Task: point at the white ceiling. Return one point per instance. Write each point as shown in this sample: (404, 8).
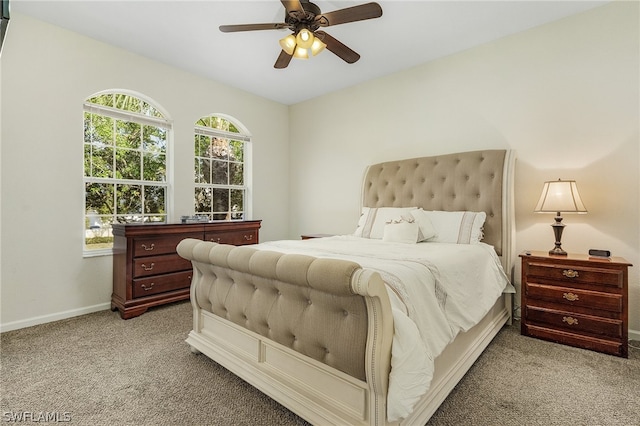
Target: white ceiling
(185, 34)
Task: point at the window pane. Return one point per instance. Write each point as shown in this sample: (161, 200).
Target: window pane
(154, 197)
(219, 149)
(220, 172)
(99, 198)
(220, 200)
(102, 160)
(98, 232)
(157, 218)
(129, 199)
(237, 151)
(127, 164)
(203, 200)
(128, 134)
(103, 100)
(237, 204)
(236, 175)
(99, 130)
(202, 171)
(128, 103)
(154, 139)
(87, 160)
(202, 145)
(154, 167)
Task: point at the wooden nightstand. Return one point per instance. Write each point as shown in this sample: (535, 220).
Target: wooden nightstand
(576, 300)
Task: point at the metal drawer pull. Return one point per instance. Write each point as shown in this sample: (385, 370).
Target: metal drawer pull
(151, 247)
(145, 288)
(147, 268)
(570, 320)
(570, 273)
(248, 237)
(216, 240)
(571, 297)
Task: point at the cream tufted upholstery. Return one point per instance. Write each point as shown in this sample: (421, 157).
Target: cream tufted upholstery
(468, 181)
(299, 301)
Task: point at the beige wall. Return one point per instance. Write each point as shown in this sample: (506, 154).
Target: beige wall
(565, 96)
(47, 73)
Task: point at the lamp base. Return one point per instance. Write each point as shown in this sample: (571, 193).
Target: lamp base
(557, 251)
(558, 227)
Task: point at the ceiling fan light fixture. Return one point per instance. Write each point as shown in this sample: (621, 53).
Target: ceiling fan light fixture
(317, 46)
(288, 44)
(300, 53)
(305, 38)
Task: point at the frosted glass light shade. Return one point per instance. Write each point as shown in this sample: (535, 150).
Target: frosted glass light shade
(301, 53)
(317, 46)
(288, 44)
(305, 38)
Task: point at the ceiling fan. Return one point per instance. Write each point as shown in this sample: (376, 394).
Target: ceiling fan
(305, 19)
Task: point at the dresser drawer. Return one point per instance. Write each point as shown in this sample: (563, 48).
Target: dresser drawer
(575, 297)
(561, 274)
(161, 284)
(237, 238)
(156, 265)
(574, 322)
(164, 245)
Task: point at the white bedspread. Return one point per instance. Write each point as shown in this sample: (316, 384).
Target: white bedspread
(436, 291)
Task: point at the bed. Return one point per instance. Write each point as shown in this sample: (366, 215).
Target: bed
(322, 325)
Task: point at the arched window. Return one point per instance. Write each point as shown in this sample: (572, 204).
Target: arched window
(221, 169)
(125, 165)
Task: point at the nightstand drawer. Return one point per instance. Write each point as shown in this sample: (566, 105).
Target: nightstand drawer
(575, 297)
(561, 274)
(612, 347)
(574, 322)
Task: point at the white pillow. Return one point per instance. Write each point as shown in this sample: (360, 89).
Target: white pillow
(373, 219)
(401, 231)
(457, 227)
(426, 229)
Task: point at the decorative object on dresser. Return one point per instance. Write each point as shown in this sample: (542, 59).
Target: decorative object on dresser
(148, 272)
(557, 197)
(310, 236)
(576, 300)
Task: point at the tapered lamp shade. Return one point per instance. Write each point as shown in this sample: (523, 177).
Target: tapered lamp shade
(557, 197)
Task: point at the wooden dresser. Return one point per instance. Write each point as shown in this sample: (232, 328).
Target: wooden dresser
(576, 300)
(148, 272)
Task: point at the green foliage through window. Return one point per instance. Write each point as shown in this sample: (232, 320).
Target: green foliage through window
(125, 158)
(219, 169)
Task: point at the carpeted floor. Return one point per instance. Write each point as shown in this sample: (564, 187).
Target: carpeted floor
(100, 370)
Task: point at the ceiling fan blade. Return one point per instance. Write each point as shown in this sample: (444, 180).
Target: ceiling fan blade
(252, 27)
(335, 46)
(292, 5)
(283, 60)
(350, 14)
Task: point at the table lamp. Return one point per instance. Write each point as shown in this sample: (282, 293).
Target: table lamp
(557, 197)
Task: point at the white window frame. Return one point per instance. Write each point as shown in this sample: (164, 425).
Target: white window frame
(141, 119)
(243, 136)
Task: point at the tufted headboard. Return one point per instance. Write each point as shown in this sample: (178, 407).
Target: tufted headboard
(466, 181)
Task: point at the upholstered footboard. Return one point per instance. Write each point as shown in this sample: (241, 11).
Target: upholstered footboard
(314, 334)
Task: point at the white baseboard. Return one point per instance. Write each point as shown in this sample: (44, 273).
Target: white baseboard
(634, 335)
(29, 322)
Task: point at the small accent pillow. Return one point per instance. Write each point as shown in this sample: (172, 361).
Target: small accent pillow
(425, 227)
(457, 227)
(373, 219)
(403, 230)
